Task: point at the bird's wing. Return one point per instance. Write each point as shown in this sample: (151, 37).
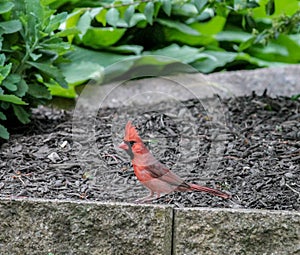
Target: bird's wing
(160, 171)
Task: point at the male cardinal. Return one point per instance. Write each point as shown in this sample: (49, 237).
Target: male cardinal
(153, 174)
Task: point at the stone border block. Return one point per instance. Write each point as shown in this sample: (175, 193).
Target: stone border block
(62, 227)
(209, 231)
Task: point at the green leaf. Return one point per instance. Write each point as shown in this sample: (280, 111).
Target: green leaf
(112, 17)
(100, 37)
(136, 18)
(2, 116)
(4, 71)
(22, 88)
(84, 23)
(50, 71)
(77, 73)
(39, 91)
(167, 6)
(6, 7)
(135, 49)
(3, 132)
(149, 10)
(12, 81)
(179, 26)
(101, 16)
(184, 54)
(200, 4)
(12, 99)
(217, 59)
(2, 59)
(128, 14)
(68, 32)
(270, 7)
(73, 18)
(35, 18)
(247, 44)
(11, 26)
(21, 113)
(233, 36)
(55, 22)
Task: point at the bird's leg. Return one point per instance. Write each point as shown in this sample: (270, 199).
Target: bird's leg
(147, 198)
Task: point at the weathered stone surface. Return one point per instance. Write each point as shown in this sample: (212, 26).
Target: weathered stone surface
(225, 231)
(282, 80)
(61, 227)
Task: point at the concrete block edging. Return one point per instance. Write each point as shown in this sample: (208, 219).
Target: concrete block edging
(37, 226)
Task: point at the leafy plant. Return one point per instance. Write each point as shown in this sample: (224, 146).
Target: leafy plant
(32, 47)
(208, 35)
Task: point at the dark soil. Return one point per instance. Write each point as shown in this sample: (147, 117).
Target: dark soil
(246, 146)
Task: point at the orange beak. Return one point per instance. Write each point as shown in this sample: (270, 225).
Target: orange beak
(123, 146)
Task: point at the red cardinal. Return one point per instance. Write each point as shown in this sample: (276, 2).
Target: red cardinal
(153, 174)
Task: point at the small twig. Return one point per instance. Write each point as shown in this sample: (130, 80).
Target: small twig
(292, 189)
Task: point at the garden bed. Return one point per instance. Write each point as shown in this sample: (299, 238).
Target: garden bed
(253, 153)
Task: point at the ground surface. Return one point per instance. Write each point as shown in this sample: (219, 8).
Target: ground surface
(246, 146)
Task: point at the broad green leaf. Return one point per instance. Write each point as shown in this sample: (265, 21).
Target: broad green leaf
(112, 17)
(21, 113)
(9, 27)
(149, 11)
(179, 26)
(128, 14)
(57, 90)
(2, 116)
(51, 71)
(211, 27)
(12, 99)
(100, 37)
(6, 7)
(77, 73)
(233, 36)
(282, 7)
(38, 91)
(101, 58)
(184, 54)
(283, 49)
(135, 49)
(3, 132)
(167, 6)
(217, 59)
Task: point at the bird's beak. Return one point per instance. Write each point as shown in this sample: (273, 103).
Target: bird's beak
(123, 146)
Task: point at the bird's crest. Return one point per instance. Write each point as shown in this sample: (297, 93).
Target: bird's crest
(131, 133)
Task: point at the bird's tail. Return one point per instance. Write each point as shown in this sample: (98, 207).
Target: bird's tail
(210, 191)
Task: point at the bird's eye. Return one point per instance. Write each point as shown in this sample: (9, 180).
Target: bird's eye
(131, 143)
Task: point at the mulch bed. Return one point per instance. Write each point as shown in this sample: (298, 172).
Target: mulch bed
(246, 146)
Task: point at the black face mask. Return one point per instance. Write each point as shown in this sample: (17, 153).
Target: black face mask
(129, 151)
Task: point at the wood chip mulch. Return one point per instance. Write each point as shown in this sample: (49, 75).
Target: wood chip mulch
(246, 146)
